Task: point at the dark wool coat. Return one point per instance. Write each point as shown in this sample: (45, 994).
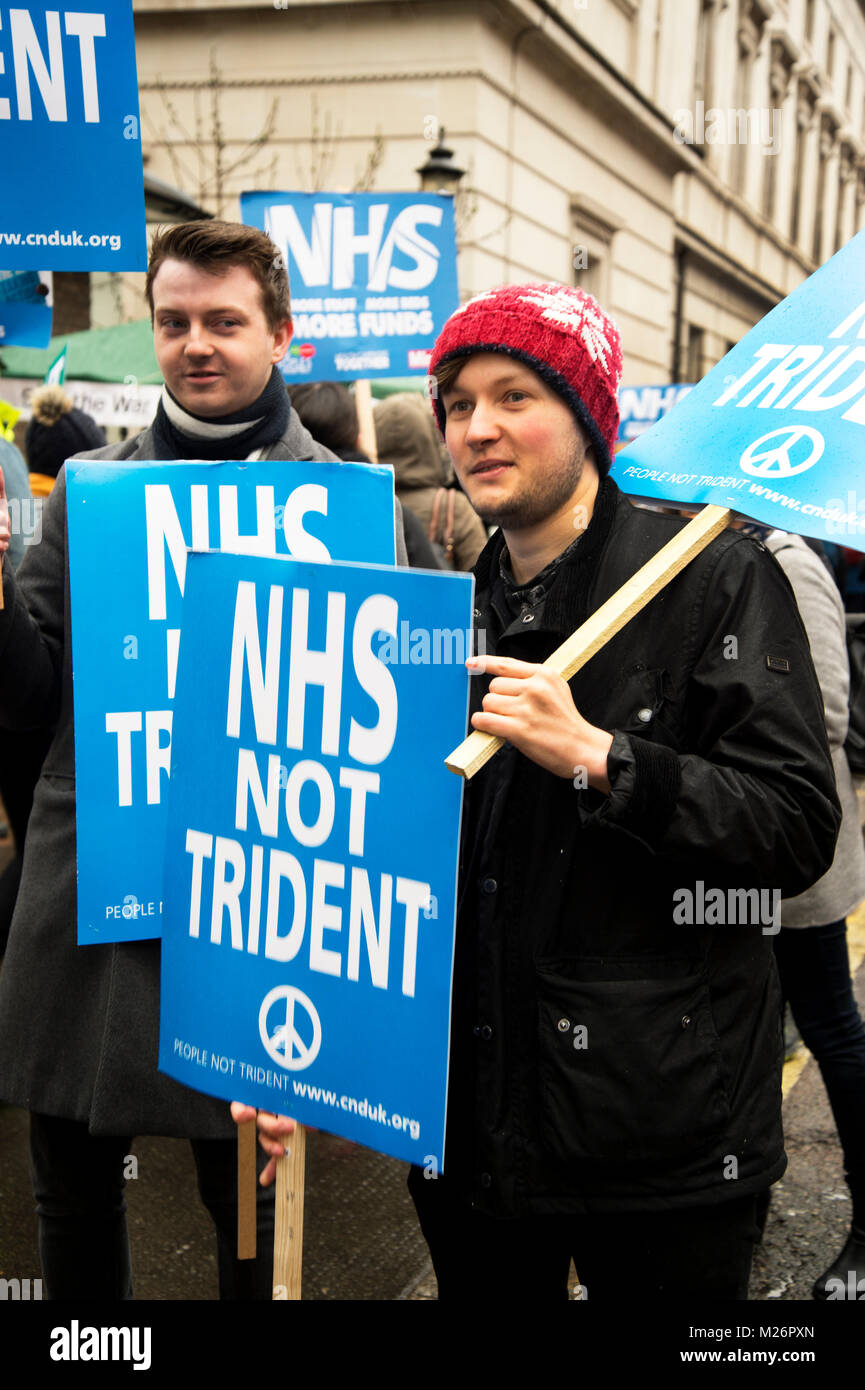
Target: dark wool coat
(79, 1024)
(605, 1056)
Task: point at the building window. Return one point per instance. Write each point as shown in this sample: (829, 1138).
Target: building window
(830, 53)
(590, 273)
(809, 20)
(703, 60)
(818, 211)
(743, 102)
(804, 117)
(770, 186)
(827, 144)
(696, 345)
(592, 232)
(749, 41)
(848, 95)
(846, 190)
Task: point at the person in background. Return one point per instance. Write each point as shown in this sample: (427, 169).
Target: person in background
(811, 948)
(56, 431)
(19, 494)
(328, 411)
(21, 754)
(409, 443)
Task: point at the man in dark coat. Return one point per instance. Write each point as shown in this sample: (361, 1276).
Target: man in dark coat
(614, 1092)
(79, 1025)
(616, 1052)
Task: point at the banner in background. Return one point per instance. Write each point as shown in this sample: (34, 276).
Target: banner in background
(373, 278)
(109, 402)
(640, 407)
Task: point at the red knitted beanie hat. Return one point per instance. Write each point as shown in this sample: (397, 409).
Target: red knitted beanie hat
(563, 334)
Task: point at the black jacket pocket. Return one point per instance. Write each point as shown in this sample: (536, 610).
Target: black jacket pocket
(629, 1070)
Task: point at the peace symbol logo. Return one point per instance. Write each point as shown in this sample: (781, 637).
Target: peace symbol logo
(286, 1044)
(782, 459)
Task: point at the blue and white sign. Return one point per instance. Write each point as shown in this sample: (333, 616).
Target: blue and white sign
(311, 863)
(777, 429)
(73, 184)
(640, 407)
(130, 527)
(373, 278)
(26, 308)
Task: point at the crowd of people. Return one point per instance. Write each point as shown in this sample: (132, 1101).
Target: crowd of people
(614, 1091)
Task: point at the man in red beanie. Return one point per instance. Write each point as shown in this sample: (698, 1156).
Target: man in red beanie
(614, 1092)
(614, 1087)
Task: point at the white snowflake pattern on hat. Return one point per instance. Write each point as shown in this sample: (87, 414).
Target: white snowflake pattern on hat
(470, 303)
(562, 306)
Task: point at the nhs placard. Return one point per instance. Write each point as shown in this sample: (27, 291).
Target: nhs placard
(73, 187)
(310, 879)
(136, 523)
(373, 278)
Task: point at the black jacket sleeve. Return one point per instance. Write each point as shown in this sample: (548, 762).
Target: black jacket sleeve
(756, 787)
(32, 625)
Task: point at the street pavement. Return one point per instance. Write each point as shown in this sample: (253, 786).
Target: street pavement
(809, 1216)
(361, 1240)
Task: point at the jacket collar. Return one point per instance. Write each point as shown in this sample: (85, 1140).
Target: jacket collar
(567, 601)
(296, 443)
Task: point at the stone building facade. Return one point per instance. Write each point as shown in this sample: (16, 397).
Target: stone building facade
(690, 161)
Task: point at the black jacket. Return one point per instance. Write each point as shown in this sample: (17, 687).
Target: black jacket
(79, 1024)
(603, 1056)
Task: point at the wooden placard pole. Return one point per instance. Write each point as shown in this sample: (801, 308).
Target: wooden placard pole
(246, 1190)
(610, 618)
(288, 1230)
(366, 425)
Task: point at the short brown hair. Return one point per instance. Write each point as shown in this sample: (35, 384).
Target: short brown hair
(447, 372)
(217, 246)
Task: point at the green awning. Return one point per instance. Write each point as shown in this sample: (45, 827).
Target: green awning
(98, 354)
(384, 386)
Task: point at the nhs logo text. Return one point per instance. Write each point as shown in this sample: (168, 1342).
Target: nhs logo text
(326, 254)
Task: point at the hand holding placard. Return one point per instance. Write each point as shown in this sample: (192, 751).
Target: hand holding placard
(531, 707)
(272, 1134)
(566, 660)
(288, 1165)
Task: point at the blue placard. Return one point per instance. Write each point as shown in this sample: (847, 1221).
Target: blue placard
(311, 856)
(73, 185)
(776, 430)
(129, 528)
(373, 278)
(25, 308)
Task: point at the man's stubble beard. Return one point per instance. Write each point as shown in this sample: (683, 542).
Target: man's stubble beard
(546, 497)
